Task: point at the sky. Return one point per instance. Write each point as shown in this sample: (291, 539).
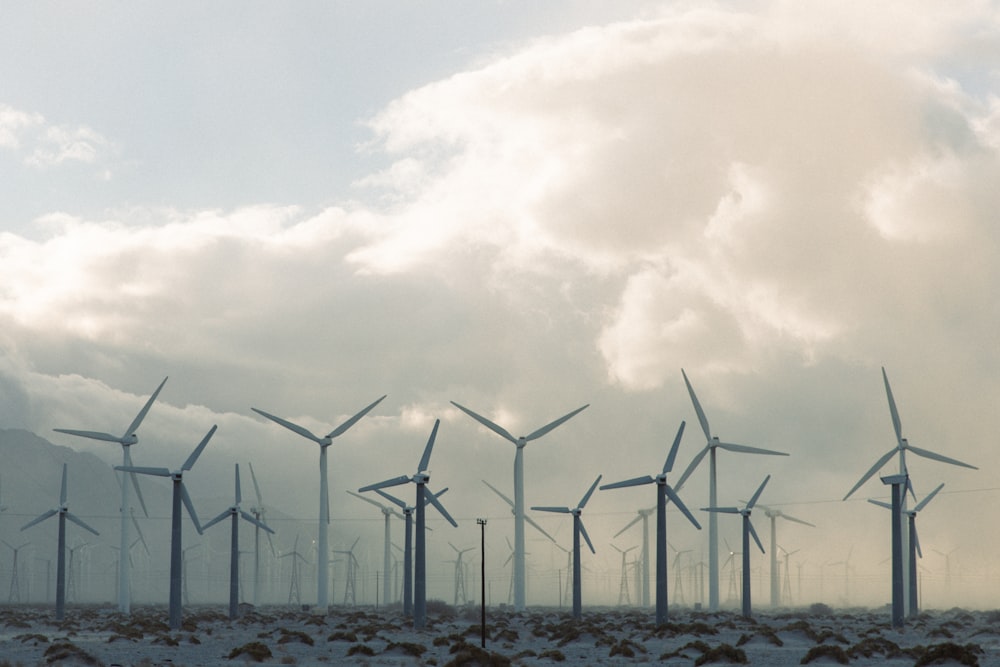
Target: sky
(525, 208)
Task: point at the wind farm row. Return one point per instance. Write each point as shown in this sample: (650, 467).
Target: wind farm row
(634, 578)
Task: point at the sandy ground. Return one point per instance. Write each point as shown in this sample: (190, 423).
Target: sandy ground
(100, 636)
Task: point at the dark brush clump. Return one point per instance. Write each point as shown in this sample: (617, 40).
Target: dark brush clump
(360, 649)
(825, 651)
(875, 646)
(723, 653)
(474, 655)
(942, 653)
(342, 636)
(255, 651)
(288, 636)
(406, 648)
(65, 651)
(553, 654)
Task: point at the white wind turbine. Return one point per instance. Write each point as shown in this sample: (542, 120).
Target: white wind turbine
(424, 496)
(642, 515)
(578, 529)
(235, 513)
(258, 511)
(713, 522)
(126, 441)
(902, 446)
(64, 513)
(180, 495)
(323, 554)
(774, 515)
(388, 513)
(519, 518)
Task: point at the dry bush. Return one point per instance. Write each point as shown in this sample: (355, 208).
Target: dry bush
(949, 652)
(825, 651)
(61, 651)
(723, 653)
(255, 651)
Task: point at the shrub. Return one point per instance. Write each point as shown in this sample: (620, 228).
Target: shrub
(825, 651)
(255, 651)
(723, 653)
(947, 652)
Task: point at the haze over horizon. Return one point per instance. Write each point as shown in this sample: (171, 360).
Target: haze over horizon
(523, 209)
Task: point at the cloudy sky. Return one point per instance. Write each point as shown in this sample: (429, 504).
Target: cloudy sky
(523, 208)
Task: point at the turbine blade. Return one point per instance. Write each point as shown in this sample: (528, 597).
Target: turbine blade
(590, 492)
(425, 460)
(628, 525)
(144, 470)
(368, 500)
(938, 457)
(506, 562)
(746, 449)
(916, 542)
(304, 432)
(880, 503)
(669, 465)
(134, 426)
(260, 524)
(753, 534)
(239, 494)
(635, 481)
(691, 466)
(135, 484)
(392, 499)
(499, 430)
(62, 490)
(537, 527)
(256, 487)
(39, 519)
(697, 408)
(433, 500)
(354, 420)
(80, 523)
(550, 426)
(583, 531)
(923, 503)
(792, 518)
(186, 499)
(199, 449)
(560, 510)
(723, 510)
(497, 491)
(760, 490)
(874, 469)
(676, 500)
(93, 435)
(224, 515)
(395, 481)
(138, 531)
(896, 425)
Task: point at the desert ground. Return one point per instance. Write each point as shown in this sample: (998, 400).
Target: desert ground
(291, 636)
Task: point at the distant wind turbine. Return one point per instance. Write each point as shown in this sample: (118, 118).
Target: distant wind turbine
(578, 529)
(63, 512)
(388, 513)
(774, 515)
(420, 478)
(129, 438)
(258, 511)
(323, 554)
(644, 569)
(713, 523)
(519, 518)
(180, 495)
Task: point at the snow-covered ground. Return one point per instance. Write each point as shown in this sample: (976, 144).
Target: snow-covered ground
(30, 636)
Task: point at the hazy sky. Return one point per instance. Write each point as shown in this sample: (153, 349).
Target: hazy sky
(523, 207)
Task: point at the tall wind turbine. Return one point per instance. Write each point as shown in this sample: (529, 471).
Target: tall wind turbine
(519, 519)
(388, 513)
(180, 495)
(64, 513)
(774, 515)
(578, 529)
(420, 479)
(663, 491)
(748, 532)
(323, 554)
(713, 522)
(129, 438)
(914, 547)
(258, 511)
(235, 513)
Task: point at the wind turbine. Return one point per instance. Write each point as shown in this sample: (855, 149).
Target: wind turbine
(578, 529)
(519, 518)
(350, 578)
(180, 495)
(388, 513)
(64, 513)
(642, 515)
(748, 531)
(663, 491)
(914, 546)
(420, 478)
(459, 572)
(235, 513)
(712, 444)
(774, 515)
(293, 590)
(623, 596)
(15, 580)
(126, 441)
(323, 554)
(258, 511)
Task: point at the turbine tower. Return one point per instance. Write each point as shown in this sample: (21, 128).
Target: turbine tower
(323, 554)
(748, 532)
(663, 491)
(623, 596)
(420, 478)
(64, 513)
(578, 529)
(180, 495)
(774, 515)
(388, 513)
(642, 515)
(519, 548)
(713, 522)
(235, 513)
(126, 441)
(15, 579)
(460, 573)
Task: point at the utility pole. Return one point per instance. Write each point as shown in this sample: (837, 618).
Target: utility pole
(482, 578)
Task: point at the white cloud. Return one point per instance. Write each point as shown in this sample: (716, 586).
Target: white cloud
(14, 123)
